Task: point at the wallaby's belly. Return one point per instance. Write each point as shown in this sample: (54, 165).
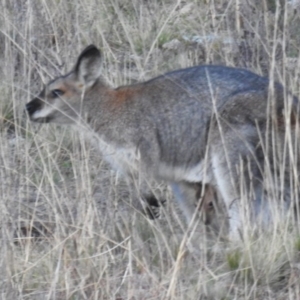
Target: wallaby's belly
(128, 161)
(196, 173)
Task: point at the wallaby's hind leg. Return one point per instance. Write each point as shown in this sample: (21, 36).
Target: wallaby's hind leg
(230, 197)
(238, 181)
(185, 196)
(206, 198)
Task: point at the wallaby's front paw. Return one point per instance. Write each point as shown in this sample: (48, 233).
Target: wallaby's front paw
(153, 206)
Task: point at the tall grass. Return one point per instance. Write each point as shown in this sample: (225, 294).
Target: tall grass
(70, 227)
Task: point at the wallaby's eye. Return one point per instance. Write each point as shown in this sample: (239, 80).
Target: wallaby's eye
(56, 93)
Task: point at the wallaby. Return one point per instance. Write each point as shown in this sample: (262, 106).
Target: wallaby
(212, 124)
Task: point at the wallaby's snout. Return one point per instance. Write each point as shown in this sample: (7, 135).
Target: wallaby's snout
(37, 109)
(34, 106)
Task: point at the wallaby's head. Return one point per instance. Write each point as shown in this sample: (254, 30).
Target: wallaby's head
(62, 99)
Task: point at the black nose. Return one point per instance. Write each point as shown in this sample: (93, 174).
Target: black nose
(29, 107)
(33, 106)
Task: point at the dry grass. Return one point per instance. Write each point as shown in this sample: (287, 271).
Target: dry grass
(70, 228)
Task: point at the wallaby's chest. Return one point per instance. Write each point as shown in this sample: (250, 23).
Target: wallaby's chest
(123, 159)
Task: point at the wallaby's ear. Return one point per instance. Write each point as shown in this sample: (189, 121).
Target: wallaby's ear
(88, 66)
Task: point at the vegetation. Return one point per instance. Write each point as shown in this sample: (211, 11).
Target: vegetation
(71, 228)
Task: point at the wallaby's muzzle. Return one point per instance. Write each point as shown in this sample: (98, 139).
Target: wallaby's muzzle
(33, 106)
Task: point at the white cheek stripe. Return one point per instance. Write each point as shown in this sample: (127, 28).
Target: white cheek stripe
(42, 113)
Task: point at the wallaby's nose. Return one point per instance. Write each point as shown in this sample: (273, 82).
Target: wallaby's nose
(33, 106)
(29, 107)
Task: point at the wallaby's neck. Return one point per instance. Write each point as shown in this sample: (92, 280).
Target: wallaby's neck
(110, 112)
